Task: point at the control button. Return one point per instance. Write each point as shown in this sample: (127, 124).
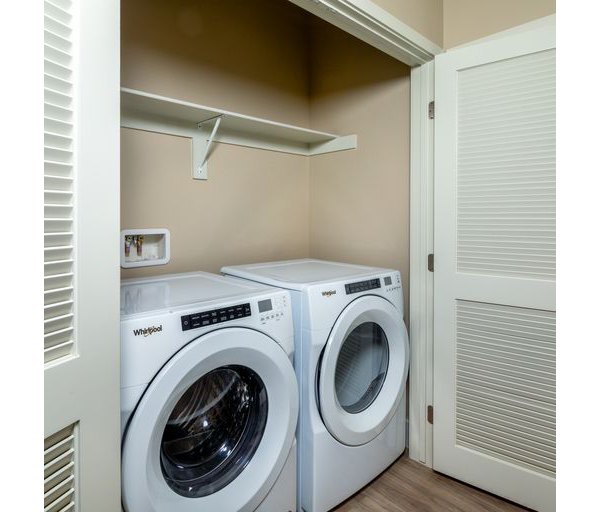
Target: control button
(215, 316)
(185, 323)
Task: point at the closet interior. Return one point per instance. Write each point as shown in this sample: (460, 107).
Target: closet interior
(311, 155)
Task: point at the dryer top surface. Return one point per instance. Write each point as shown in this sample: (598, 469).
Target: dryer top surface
(175, 290)
(299, 274)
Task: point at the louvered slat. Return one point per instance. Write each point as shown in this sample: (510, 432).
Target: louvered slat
(506, 383)
(58, 168)
(506, 168)
(59, 470)
(58, 186)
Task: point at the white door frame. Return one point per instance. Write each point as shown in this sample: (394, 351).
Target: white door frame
(367, 21)
(420, 436)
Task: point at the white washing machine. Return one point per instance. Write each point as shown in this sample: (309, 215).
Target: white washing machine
(352, 359)
(209, 400)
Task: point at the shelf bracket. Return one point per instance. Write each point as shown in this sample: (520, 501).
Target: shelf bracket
(201, 146)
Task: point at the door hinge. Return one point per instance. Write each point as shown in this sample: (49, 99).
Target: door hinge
(430, 262)
(430, 414)
(431, 110)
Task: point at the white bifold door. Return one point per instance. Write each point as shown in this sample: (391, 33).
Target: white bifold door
(81, 262)
(494, 298)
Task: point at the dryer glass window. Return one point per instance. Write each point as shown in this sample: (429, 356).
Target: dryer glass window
(213, 431)
(361, 367)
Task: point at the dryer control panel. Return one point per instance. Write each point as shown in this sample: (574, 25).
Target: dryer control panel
(215, 316)
(363, 286)
(392, 283)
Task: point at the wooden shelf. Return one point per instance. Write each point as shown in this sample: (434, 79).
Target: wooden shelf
(145, 111)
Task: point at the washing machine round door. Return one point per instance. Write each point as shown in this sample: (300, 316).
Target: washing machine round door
(214, 428)
(363, 370)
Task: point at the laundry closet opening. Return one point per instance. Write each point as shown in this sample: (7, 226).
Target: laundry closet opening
(272, 60)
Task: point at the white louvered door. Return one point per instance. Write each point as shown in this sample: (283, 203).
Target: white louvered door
(494, 279)
(81, 265)
(58, 180)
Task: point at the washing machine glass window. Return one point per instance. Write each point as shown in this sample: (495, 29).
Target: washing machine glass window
(213, 431)
(361, 367)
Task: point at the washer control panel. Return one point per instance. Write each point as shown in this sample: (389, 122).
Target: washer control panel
(215, 316)
(272, 310)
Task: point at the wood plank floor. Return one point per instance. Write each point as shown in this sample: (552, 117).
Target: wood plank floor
(408, 486)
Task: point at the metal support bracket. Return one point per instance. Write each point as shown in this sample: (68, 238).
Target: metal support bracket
(201, 147)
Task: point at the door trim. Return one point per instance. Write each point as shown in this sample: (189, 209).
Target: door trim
(374, 25)
(420, 436)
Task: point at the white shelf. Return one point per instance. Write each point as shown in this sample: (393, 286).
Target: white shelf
(149, 112)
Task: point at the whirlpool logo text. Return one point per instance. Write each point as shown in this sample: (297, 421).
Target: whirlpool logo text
(147, 331)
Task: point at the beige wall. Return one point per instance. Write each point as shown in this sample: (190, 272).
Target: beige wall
(246, 56)
(253, 208)
(449, 23)
(467, 20)
(425, 16)
(359, 199)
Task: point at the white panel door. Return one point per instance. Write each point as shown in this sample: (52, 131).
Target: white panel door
(494, 291)
(81, 262)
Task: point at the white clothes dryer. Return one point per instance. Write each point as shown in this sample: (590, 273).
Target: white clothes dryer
(352, 359)
(209, 400)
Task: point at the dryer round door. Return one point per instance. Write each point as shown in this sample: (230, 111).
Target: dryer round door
(214, 428)
(363, 370)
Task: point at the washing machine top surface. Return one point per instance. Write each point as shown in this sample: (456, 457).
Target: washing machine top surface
(299, 274)
(157, 294)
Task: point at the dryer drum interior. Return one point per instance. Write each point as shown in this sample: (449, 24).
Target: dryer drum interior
(213, 431)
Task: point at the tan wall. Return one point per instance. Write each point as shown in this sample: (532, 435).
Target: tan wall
(359, 209)
(467, 20)
(425, 16)
(249, 57)
(253, 208)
